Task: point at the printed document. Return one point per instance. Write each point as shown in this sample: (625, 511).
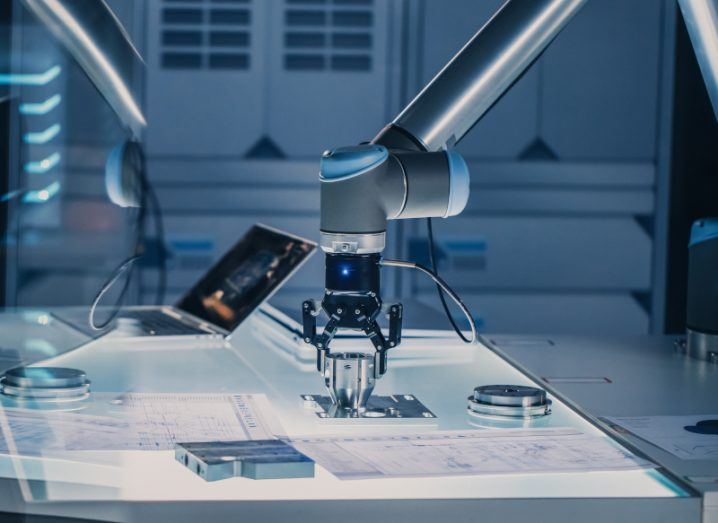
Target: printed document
(452, 453)
(688, 437)
(138, 421)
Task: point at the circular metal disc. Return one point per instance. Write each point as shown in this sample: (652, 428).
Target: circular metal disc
(44, 392)
(69, 403)
(510, 395)
(45, 377)
(502, 411)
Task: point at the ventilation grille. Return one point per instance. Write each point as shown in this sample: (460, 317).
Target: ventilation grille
(328, 35)
(206, 34)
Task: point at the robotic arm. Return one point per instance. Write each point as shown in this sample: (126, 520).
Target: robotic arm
(408, 171)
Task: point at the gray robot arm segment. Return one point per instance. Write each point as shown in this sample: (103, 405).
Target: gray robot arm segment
(364, 186)
(480, 73)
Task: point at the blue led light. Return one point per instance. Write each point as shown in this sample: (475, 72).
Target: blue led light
(10, 195)
(42, 195)
(345, 272)
(42, 137)
(31, 79)
(38, 109)
(43, 166)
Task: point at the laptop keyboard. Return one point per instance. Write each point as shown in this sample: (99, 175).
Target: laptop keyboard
(157, 323)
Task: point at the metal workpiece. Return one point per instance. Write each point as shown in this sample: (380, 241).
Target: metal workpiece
(45, 384)
(701, 18)
(349, 378)
(253, 459)
(469, 85)
(45, 377)
(509, 401)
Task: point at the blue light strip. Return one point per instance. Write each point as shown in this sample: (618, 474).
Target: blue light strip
(38, 109)
(42, 137)
(31, 79)
(10, 195)
(42, 195)
(43, 166)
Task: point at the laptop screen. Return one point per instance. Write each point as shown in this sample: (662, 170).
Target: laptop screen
(246, 276)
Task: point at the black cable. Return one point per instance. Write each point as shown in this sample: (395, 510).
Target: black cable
(432, 260)
(128, 264)
(160, 244)
(444, 287)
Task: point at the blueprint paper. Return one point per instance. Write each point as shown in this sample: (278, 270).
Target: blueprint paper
(670, 434)
(462, 453)
(139, 421)
(34, 433)
(160, 420)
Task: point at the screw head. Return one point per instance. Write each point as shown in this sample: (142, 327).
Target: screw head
(340, 310)
(307, 340)
(357, 312)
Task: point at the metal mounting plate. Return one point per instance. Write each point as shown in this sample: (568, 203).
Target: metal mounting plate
(396, 406)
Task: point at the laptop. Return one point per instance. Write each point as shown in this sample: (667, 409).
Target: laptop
(246, 276)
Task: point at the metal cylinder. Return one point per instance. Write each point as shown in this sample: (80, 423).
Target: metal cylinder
(349, 378)
(702, 291)
(468, 86)
(94, 36)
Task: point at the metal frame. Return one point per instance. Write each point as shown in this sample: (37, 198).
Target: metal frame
(664, 136)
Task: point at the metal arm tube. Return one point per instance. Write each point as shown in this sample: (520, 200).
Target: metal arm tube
(94, 36)
(466, 88)
(701, 17)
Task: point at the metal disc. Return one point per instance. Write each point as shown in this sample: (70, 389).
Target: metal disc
(510, 395)
(69, 403)
(44, 392)
(45, 377)
(503, 411)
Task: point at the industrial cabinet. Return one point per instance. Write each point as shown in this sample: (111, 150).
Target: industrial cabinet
(309, 69)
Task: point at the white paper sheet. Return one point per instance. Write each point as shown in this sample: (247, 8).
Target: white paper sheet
(34, 432)
(452, 453)
(139, 421)
(162, 419)
(670, 434)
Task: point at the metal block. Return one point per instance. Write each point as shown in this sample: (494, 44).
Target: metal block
(257, 459)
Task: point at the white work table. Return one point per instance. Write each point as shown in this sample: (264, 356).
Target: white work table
(262, 358)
